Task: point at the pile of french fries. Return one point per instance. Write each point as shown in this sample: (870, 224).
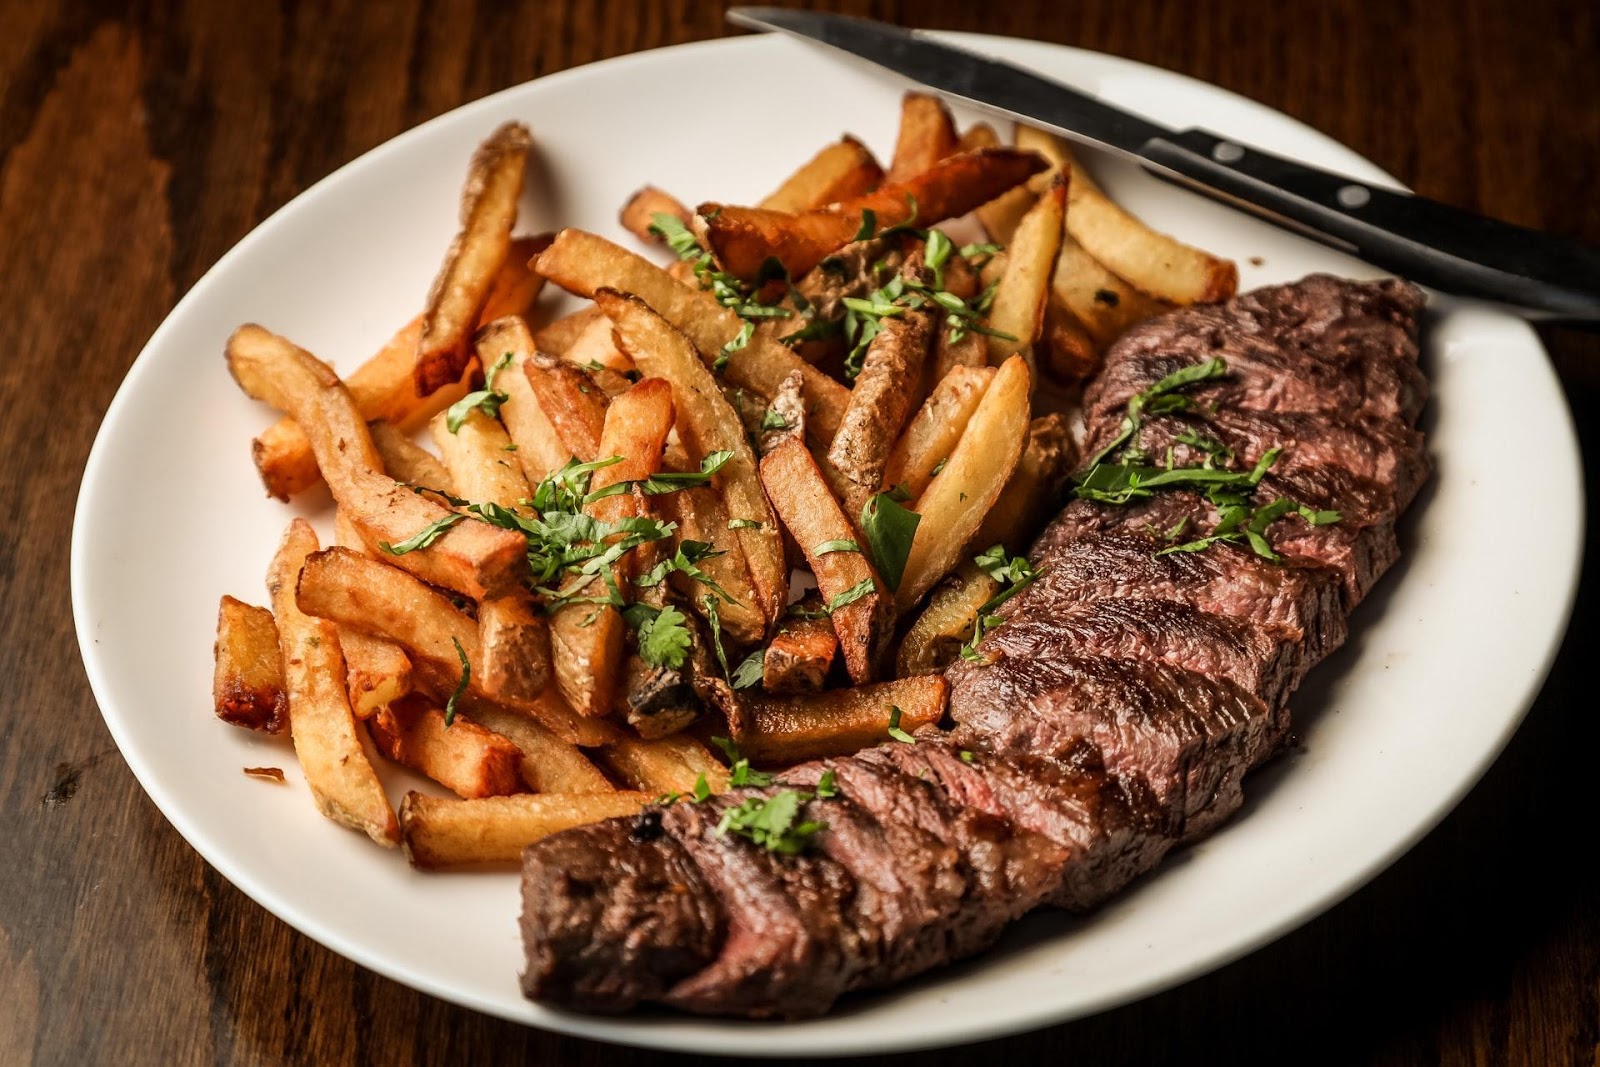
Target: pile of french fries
(761, 496)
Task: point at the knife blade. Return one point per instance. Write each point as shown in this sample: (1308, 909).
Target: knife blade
(1542, 276)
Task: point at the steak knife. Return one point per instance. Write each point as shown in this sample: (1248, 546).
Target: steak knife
(1539, 275)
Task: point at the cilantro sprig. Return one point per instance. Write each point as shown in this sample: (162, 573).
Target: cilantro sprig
(1014, 573)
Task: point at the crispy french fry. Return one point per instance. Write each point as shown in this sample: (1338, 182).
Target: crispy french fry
(558, 336)
(320, 721)
(842, 170)
(444, 832)
(478, 454)
(1019, 301)
(575, 406)
(247, 687)
(582, 263)
(377, 671)
(800, 654)
(745, 238)
(884, 393)
(471, 558)
(702, 515)
(406, 461)
(461, 290)
(935, 639)
(514, 649)
(935, 429)
(516, 286)
(1000, 215)
(707, 423)
(1070, 354)
(539, 449)
(952, 350)
(549, 764)
(460, 755)
(673, 764)
(596, 348)
(927, 135)
(1106, 305)
(813, 519)
(840, 721)
(1029, 497)
(955, 502)
(638, 214)
(785, 416)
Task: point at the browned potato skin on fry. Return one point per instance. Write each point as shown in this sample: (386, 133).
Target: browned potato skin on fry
(1024, 289)
(812, 516)
(517, 285)
(549, 764)
(570, 399)
(840, 171)
(935, 639)
(461, 756)
(927, 135)
(247, 688)
(884, 393)
(540, 450)
(439, 833)
(638, 214)
(744, 238)
(514, 654)
(1029, 497)
(406, 461)
(800, 654)
(555, 337)
(840, 721)
(936, 427)
(461, 290)
(672, 764)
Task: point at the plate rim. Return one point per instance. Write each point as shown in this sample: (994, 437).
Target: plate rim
(734, 1035)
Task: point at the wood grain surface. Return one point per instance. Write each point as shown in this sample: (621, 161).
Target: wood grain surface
(139, 141)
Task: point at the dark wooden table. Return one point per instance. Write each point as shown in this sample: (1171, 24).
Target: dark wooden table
(138, 142)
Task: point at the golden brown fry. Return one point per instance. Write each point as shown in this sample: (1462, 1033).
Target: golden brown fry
(800, 654)
(516, 286)
(471, 558)
(955, 502)
(549, 764)
(478, 454)
(596, 348)
(558, 336)
(840, 721)
(842, 170)
(744, 238)
(1019, 301)
(438, 833)
(702, 515)
(569, 398)
(785, 416)
(582, 263)
(884, 393)
(1106, 305)
(320, 721)
(638, 214)
(460, 755)
(673, 764)
(934, 431)
(1029, 497)
(377, 671)
(461, 290)
(813, 519)
(935, 639)
(1000, 215)
(927, 135)
(539, 449)
(247, 688)
(707, 423)
(1069, 353)
(514, 649)
(406, 461)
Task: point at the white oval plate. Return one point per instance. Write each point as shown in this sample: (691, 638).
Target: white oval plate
(1441, 666)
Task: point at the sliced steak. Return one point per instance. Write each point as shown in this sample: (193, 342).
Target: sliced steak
(614, 914)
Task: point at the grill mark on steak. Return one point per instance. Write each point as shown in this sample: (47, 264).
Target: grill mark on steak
(1128, 695)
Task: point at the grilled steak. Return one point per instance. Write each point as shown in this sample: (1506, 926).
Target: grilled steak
(1112, 717)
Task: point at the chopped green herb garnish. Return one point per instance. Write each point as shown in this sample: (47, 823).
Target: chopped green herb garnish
(770, 822)
(835, 546)
(702, 789)
(488, 399)
(461, 686)
(894, 727)
(664, 638)
(826, 788)
(966, 757)
(748, 672)
(423, 537)
(773, 420)
(1014, 573)
(744, 524)
(889, 529)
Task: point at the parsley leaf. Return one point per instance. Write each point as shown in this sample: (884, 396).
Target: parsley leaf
(663, 636)
(894, 728)
(1014, 573)
(748, 672)
(865, 587)
(702, 789)
(773, 420)
(770, 822)
(488, 399)
(423, 537)
(889, 529)
(835, 546)
(461, 686)
(744, 524)
(685, 561)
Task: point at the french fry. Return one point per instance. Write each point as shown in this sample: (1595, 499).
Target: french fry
(461, 289)
(575, 406)
(701, 515)
(321, 724)
(784, 417)
(1070, 354)
(539, 449)
(638, 214)
(935, 429)
(800, 653)
(558, 335)
(840, 171)
(1000, 215)
(707, 423)
(582, 263)
(839, 721)
(596, 348)
(1103, 303)
(958, 497)
(934, 641)
(673, 764)
(516, 287)
(549, 764)
(478, 454)
(1019, 301)
(460, 755)
(1158, 265)
(471, 558)
(745, 238)
(406, 461)
(927, 135)
(1029, 497)
(247, 686)
(884, 393)
(439, 832)
(377, 671)
(813, 519)
(514, 649)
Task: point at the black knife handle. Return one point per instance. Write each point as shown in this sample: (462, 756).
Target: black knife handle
(1421, 239)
